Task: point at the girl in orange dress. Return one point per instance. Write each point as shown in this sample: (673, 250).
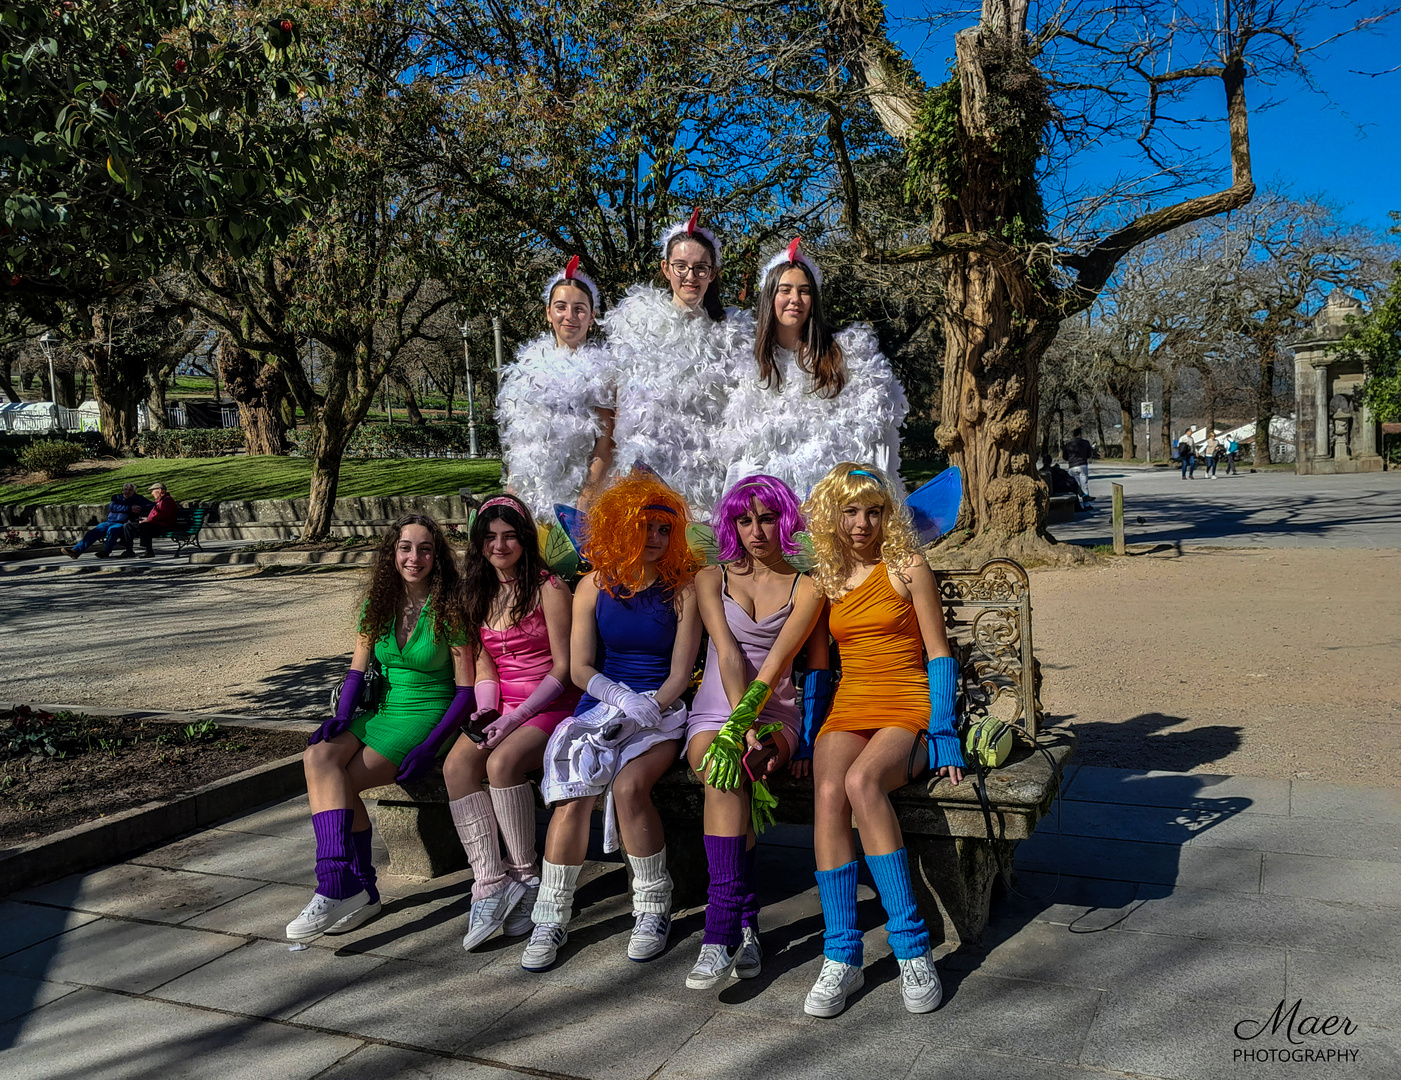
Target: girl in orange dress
(898, 680)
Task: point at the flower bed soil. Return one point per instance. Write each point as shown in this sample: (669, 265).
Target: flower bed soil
(64, 770)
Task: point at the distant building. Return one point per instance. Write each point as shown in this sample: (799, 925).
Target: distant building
(1336, 432)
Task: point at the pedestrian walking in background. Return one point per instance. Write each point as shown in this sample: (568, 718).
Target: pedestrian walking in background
(1078, 452)
(1212, 450)
(1232, 449)
(1187, 454)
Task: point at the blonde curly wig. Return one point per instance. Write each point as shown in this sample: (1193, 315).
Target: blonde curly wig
(864, 485)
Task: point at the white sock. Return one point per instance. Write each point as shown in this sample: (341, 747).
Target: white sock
(555, 902)
(651, 884)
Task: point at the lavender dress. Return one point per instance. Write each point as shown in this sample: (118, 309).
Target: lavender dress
(711, 707)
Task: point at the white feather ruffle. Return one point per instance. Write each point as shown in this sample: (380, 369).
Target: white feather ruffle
(675, 371)
(547, 410)
(791, 433)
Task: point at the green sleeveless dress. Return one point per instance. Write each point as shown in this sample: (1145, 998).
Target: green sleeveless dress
(419, 687)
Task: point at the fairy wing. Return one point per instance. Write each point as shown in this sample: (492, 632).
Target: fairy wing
(560, 555)
(934, 506)
(701, 539)
(803, 560)
(572, 522)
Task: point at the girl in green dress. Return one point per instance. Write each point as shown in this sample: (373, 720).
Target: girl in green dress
(427, 695)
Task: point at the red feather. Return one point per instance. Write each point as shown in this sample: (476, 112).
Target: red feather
(793, 250)
(695, 220)
(570, 267)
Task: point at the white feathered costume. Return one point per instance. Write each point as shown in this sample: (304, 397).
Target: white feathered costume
(675, 370)
(547, 410)
(790, 432)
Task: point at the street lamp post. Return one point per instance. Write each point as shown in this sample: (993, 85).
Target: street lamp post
(496, 331)
(471, 393)
(49, 356)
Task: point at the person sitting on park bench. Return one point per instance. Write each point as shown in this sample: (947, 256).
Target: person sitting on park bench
(125, 508)
(160, 518)
(1061, 482)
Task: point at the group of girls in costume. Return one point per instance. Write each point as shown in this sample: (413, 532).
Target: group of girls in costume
(699, 393)
(590, 690)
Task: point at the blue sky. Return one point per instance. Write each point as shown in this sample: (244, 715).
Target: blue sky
(1348, 149)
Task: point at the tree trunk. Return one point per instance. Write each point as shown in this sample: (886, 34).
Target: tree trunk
(155, 402)
(1167, 417)
(410, 402)
(1126, 420)
(117, 400)
(1099, 422)
(258, 388)
(7, 384)
(1264, 405)
(330, 443)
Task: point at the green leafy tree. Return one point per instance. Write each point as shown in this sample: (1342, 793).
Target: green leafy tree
(1376, 339)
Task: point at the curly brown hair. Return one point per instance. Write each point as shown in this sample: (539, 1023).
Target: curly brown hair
(479, 588)
(384, 594)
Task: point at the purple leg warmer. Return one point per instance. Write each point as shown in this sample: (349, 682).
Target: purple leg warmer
(362, 864)
(335, 874)
(750, 901)
(723, 912)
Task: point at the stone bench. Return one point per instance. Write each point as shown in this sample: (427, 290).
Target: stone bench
(954, 864)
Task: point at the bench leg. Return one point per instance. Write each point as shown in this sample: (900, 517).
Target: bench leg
(954, 879)
(421, 838)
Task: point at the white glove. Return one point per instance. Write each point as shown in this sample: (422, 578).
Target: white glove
(641, 707)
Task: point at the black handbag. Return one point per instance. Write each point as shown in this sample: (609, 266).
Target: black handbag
(371, 690)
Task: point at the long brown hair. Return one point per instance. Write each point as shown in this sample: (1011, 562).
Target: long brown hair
(480, 586)
(384, 595)
(711, 300)
(819, 355)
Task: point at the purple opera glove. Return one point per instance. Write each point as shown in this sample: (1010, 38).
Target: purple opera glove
(420, 759)
(944, 746)
(488, 694)
(345, 709)
(641, 707)
(549, 689)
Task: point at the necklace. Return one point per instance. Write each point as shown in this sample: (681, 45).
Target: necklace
(412, 610)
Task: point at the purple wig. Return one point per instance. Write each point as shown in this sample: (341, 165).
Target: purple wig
(771, 492)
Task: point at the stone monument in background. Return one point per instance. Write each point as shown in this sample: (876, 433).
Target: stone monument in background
(1336, 432)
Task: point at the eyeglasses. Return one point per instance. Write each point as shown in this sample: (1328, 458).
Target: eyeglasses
(683, 270)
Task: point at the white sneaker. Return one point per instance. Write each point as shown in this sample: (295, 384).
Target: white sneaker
(355, 919)
(828, 995)
(649, 934)
(751, 955)
(519, 922)
(712, 967)
(322, 913)
(919, 984)
(489, 913)
(545, 942)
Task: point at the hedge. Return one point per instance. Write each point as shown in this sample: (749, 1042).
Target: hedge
(51, 457)
(189, 442)
(411, 440)
(12, 442)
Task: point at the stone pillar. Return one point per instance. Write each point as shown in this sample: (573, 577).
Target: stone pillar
(1323, 427)
(1366, 437)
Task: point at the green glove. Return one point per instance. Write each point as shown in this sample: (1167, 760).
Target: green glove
(761, 800)
(721, 762)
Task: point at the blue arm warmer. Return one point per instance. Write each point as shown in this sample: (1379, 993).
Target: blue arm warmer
(944, 746)
(819, 686)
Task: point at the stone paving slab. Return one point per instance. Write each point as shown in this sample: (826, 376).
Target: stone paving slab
(1344, 802)
(1362, 986)
(140, 892)
(379, 1062)
(19, 994)
(119, 955)
(290, 819)
(1162, 864)
(26, 924)
(1193, 1039)
(263, 978)
(1138, 787)
(100, 1036)
(1351, 881)
(1276, 921)
(238, 854)
(1152, 824)
(1304, 836)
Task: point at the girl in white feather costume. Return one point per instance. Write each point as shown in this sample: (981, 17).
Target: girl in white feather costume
(818, 405)
(555, 404)
(677, 358)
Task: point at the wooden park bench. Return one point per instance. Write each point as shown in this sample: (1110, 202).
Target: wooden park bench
(185, 531)
(955, 863)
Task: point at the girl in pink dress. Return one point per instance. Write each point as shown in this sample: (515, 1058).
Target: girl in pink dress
(517, 619)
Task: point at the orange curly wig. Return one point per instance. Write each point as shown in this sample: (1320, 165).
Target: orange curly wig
(615, 533)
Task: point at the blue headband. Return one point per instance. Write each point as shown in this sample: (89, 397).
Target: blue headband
(662, 508)
(863, 472)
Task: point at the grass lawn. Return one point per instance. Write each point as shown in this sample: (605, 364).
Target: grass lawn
(209, 479)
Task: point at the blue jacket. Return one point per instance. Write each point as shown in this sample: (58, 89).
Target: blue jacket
(122, 510)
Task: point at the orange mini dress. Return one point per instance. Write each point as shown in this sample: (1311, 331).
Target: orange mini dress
(882, 656)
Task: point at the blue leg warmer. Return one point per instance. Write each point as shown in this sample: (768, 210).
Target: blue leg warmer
(840, 940)
(903, 925)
